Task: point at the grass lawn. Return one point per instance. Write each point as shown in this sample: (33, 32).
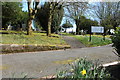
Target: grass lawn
(18, 37)
(97, 40)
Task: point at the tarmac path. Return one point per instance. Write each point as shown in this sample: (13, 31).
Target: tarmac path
(39, 64)
(74, 43)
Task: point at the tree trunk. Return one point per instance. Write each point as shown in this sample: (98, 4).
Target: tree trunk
(49, 21)
(77, 27)
(77, 30)
(29, 22)
(31, 14)
(29, 29)
(49, 25)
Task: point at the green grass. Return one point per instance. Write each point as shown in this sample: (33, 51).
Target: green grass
(67, 34)
(14, 37)
(97, 40)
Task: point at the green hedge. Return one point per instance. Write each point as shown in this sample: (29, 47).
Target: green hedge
(116, 41)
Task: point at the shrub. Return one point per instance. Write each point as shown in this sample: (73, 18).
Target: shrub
(84, 69)
(116, 41)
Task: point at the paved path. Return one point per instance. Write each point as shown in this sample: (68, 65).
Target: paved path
(38, 64)
(74, 43)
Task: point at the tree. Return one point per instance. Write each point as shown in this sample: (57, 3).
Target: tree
(31, 13)
(67, 25)
(12, 13)
(43, 15)
(57, 19)
(52, 8)
(108, 12)
(75, 11)
(87, 23)
(107, 24)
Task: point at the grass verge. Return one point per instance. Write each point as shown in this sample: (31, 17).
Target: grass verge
(97, 40)
(14, 37)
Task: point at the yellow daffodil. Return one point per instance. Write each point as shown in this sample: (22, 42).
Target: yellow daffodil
(83, 72)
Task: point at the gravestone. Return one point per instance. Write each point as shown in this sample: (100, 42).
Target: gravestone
(24, 27)
(9, 27)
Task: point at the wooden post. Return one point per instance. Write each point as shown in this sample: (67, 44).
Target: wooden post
(104, 36)
(90, 37)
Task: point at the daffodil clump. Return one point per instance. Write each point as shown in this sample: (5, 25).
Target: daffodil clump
(82, 68)
(83, 72)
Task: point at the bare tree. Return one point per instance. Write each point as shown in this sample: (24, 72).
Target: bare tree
(108, 12)
(31, 13)
(74, 11)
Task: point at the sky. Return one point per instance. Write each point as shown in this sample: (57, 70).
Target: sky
(24, 2)
(25, 8)
(24, 5)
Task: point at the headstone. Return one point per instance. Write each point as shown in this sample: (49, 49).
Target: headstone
(9, 27)
(24, 27)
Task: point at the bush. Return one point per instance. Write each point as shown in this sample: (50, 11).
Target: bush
(116, 41)
(84, 69)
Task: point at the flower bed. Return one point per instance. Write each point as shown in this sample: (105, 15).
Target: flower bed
(83, 69)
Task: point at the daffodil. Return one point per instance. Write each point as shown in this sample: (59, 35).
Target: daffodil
(83, 72)
(78, 59)
(72, 70)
